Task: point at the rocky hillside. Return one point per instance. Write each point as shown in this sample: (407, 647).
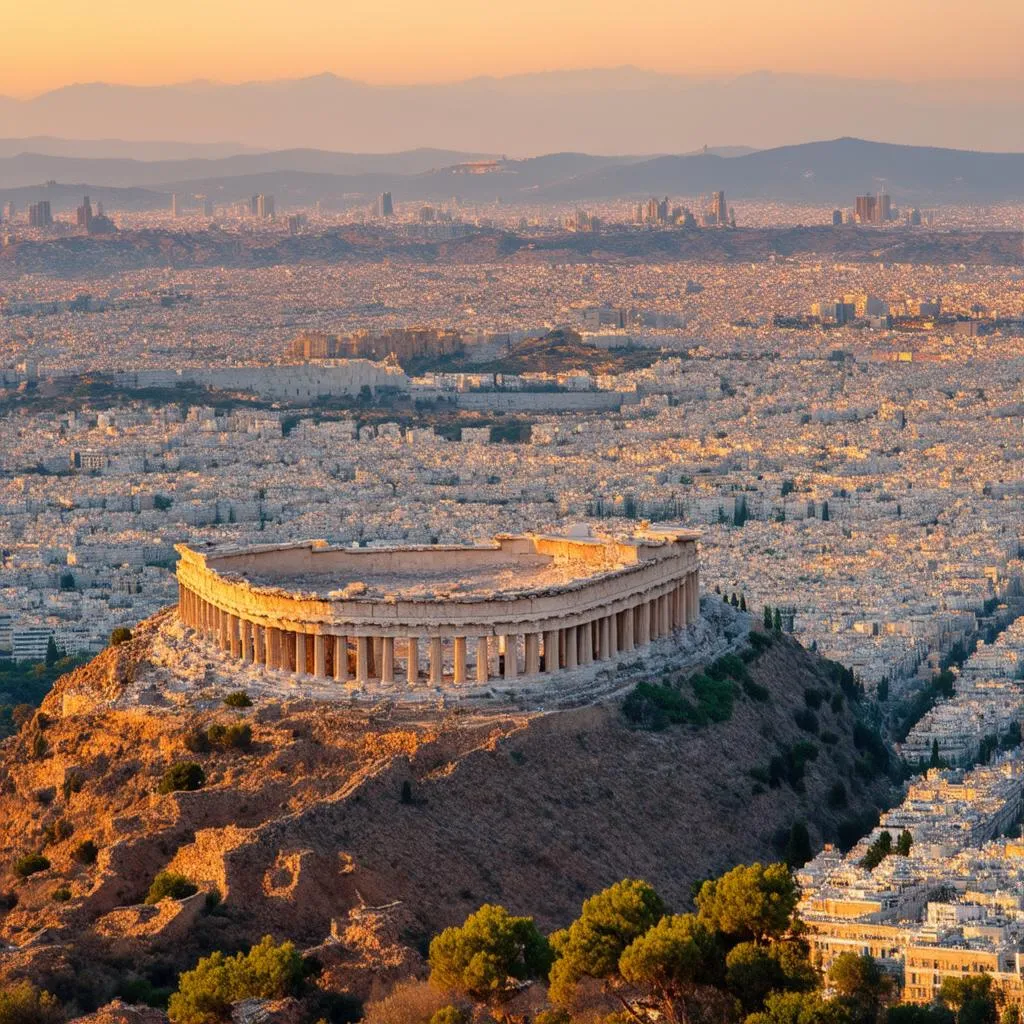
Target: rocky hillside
(328, 810)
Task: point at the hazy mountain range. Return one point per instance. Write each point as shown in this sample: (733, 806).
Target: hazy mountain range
(620, 110)
(820, 172)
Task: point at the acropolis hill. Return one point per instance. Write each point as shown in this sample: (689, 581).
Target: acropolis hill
(526, 605)
(440, 803)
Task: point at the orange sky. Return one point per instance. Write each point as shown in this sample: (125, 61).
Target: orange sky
(50, 44)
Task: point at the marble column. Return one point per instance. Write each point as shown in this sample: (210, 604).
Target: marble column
(482, 668)
(459, 660)
(341, 659)
(627, 629)
(246, 646)
(571, 647)
(412, 660)
(551, 650)
(259, 644)
(362, 659)
(233, 642)
(644, 625)
(613, 635)
(586, 643)
(273, 647)
(532, 654)
(387, 659)
(511, 656)
(319, 655)
(225, 636)
(300, 654)
(603, 646)
(436, 662)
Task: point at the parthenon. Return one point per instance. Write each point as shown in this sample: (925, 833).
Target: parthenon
(521, 605)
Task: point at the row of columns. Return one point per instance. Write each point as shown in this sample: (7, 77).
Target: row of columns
(363, 658)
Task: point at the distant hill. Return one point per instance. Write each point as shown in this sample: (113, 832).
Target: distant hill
(830, 172)
(611, 110)
(142, 149)
(30, 166)
(834, 171)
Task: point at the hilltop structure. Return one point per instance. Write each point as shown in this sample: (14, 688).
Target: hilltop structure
(524, 604)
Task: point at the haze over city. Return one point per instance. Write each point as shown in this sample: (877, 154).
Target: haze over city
(512, 513)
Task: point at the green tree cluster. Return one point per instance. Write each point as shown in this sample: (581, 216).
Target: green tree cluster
(167, 884)
(205, 994)
(23, 1003)
(642, 963)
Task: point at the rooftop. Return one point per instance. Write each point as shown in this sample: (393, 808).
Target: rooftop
(510, 566)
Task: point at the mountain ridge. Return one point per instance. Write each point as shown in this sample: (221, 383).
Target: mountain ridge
(830, 171)
(625, 110)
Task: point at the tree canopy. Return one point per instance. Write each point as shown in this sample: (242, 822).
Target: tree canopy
(750, 902)
(592, 945)
(488, 955)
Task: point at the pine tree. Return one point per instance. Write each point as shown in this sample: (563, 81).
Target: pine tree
(52, 654)
(767, 616)
(904, 843)
(734, 600)
(777, 621)
(936, 761)
(743, 602)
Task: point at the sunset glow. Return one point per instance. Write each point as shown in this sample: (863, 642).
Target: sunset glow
(402, 41)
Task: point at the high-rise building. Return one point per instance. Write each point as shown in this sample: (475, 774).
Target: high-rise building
(719, 210)
(866, 207)
(207, 204)
(385, 207)
(174, 204)
(883, 208)
(83, 215)
(837, 218)
(261, 207)
(39, 215)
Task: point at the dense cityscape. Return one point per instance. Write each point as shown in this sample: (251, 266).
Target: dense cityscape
(555, 586)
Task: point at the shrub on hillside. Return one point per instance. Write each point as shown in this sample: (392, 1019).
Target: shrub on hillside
(409, 1002)
(86, 852)
(653, 706)
(119, 636)
(806, 719)
(30, 864)
(714, 697)
(168, 884)
(185, 775)
(23, 1003)
(729, 666)
(813, 698)
(205, 994)
(755, 691)
(238, 699)
(237, 736)
(57, 831)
